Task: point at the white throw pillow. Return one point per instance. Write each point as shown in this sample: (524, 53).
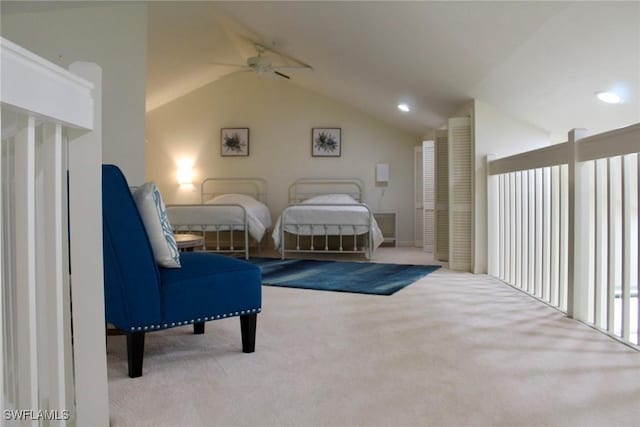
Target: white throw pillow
(156, 222)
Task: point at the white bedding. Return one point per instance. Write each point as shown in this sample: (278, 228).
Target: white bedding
(258, 216)
(331, 215)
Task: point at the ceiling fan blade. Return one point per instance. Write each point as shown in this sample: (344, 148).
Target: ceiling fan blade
(281, 75)
(225, 64)
(292, 67)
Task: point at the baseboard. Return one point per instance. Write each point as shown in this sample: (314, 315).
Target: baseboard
(406, 244)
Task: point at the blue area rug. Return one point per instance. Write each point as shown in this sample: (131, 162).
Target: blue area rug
(357, 277)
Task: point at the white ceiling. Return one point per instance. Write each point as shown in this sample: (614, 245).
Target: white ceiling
(539, 61)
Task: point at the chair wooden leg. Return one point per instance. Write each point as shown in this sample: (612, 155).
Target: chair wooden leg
(248, 330)
(135, 353)
(198, 328)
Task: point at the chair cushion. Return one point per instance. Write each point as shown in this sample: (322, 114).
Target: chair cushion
(209, 286)
(156, 222)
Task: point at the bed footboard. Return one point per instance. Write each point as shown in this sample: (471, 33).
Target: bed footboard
(213, 219)
(317, 235)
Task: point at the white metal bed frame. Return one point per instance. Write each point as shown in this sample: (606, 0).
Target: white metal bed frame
(306, 188)
(254, 187)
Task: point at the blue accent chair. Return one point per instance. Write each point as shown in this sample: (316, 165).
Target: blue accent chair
(140, 297)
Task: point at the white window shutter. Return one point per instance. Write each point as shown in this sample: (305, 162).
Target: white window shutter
(429, 196)
(460, 194)
(442, 196)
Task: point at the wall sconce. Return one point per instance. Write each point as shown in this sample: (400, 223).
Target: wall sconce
(185, 172)
(382, 172)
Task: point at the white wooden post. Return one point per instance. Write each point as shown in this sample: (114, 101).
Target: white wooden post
(87, 284)
(493, 224)
(578, 224)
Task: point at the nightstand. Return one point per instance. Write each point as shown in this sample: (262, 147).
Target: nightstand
(388, 222)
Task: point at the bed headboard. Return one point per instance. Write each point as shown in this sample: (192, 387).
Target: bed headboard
(305, 188)
(254, 187)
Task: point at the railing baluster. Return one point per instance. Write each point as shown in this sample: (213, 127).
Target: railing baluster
(518, 231)
(532, 231)
(539, 234)
(59, 323)
(546, 235)
(626, 247)
(512, 229)
(555, 237)
(25, 223)
(501, 221)
(600, 262)
(564, 237)
(615, 240)
(638, 249)
(524, 214)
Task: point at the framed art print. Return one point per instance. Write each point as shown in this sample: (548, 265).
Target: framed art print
(326, 142)
(234, 142)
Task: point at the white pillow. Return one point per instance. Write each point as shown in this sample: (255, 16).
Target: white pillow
(156, 222)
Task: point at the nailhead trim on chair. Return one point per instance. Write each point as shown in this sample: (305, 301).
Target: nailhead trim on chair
(186, 322)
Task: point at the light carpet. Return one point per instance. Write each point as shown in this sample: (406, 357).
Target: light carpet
(453, 349)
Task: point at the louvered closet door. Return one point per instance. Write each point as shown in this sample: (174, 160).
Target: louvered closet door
(429, 196)
(442, 195)
(460, 186)
(417, 196)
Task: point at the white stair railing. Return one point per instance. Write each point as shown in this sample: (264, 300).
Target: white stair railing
(51, 132)
(563, 227)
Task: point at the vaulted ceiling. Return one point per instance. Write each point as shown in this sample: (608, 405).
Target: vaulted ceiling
(538, 61)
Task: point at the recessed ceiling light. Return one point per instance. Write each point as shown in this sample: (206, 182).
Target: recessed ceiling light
(404, 107)
(609, 97)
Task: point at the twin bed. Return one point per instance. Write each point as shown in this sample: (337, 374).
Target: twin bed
(327, 215)
(323, 215)
(231, 216)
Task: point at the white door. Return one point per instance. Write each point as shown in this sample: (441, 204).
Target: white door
(417, 196)
(460, 194)
(442, 195)
(429, 196)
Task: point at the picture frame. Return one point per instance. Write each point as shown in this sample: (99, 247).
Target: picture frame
(234, 142)
(326, 142)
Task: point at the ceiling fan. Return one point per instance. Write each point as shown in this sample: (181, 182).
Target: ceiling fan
(263, 64)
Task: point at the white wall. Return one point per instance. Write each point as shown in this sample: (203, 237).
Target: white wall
(280, 116)
(496, 133)
(114, 37)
